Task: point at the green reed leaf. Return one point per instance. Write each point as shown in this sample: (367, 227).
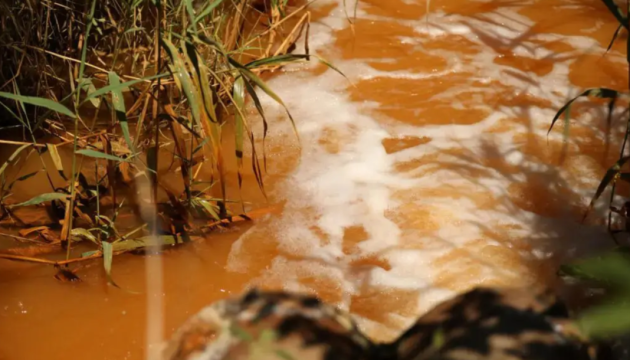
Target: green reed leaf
(39, 199)
(41, 102)
(100, 155)
(119, 107)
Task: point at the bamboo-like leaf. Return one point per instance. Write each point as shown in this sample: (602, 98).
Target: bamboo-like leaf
(610, 175)
(245, 72)
(256, 167)
(54, 155)
(119, 107)
(121, 87)
(325, 62)
(207, 10)
(201, 145)
(259, 108)
(255, 163)
(133, 30)
(183, 79)
(22, 178)
(612, 41)
(603, 93)
(207, 92)
(209, 209)
(78, 234)
(41, 102)
(96, 102)
(191, 14)
(217, 45)
(567, 126)
(41, 199)
(13, 114)
(89, 253)
(617, 13)
(13, 157)
(276, 60)
(108, 256)
(100, 155)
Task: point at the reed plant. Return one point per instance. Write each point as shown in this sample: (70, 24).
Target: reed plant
(118, 80)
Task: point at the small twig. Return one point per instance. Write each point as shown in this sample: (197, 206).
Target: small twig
(21, 238)
(27, 259)
(9, 142)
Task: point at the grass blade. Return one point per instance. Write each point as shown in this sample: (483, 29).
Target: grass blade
(119, 107)
(323, 61)
(79, 234)
(207, 10)
(100, 155)
(183, 80)
(603, 93)
(276, 60)
(96, 102)
(617, 13)
(12, 158)
(22, 178)
(259, 108)
(42, 199)
(191, 14)
(41, 102)
(209, 209)
(610, 176)
(108, 256)
(612, 41)
(245, 72)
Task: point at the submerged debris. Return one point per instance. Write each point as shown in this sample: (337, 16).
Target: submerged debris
(66, 275)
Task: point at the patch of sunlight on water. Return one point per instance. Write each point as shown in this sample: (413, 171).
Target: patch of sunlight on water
(430, 173)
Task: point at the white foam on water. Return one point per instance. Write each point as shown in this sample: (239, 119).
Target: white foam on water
(358, 186)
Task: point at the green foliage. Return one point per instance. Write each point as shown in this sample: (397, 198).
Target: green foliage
(612, 270)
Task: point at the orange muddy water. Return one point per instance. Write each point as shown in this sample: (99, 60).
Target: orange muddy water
(430, 173)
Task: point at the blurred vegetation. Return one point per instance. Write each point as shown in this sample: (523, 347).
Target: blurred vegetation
(606, 277)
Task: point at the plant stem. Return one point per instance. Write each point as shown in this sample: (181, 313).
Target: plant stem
(70, 204)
